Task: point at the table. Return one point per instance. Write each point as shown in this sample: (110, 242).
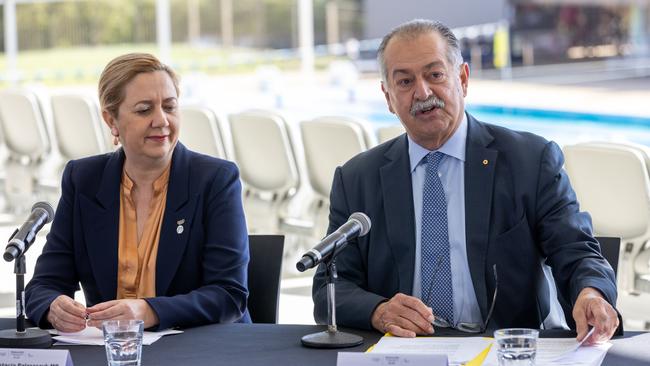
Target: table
(269, 344)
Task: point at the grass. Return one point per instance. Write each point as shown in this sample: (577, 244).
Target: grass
(82, 65)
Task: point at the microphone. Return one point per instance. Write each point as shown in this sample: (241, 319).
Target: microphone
(42, 213)
(357, 225)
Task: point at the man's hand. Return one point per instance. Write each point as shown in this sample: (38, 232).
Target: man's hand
(403, 316)
(591, 309)
(67, 315)
(122, 309)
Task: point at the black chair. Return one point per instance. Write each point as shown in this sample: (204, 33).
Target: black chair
(264, 270)
(610, 248)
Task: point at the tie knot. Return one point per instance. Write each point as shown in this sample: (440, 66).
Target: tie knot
(434, 158)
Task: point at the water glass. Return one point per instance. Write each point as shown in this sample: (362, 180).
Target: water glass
(123, 341)
(516, 346)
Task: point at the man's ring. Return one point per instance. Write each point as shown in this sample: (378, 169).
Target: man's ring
(386, 325)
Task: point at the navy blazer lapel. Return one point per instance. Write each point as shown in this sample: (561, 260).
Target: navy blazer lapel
(480, 165)
(100, 215)
(179, 212)
(397, 192)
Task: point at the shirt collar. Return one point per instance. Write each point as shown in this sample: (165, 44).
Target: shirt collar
(158, 185)
(454, 147)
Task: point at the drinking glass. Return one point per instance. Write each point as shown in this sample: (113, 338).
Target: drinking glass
(123, 341)
(516, 346)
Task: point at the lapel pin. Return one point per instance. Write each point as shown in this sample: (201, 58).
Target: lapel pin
(179, 228)
(485, 162)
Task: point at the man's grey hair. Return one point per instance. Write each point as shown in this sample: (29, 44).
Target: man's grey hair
(415, 28)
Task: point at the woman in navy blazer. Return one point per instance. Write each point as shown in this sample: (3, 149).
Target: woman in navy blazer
(202, 256)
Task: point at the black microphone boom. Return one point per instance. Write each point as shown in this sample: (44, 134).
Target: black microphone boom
(357, 225)
(42, 213)
(19, 242)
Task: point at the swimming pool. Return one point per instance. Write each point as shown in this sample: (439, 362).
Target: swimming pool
(560, 126)
(300, 102)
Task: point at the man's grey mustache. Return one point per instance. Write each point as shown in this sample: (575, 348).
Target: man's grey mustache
(432, 101)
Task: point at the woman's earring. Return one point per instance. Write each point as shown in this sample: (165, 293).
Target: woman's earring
(116, 135)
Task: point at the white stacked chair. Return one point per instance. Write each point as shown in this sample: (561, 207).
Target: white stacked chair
(265, 155)
(329, 142)
(28, 142)
(612, 183)
(201, 131)
(78, 126)
(386, 133)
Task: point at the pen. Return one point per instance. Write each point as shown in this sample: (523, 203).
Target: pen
(591, 331)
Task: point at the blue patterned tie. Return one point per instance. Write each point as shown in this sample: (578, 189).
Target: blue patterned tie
(437, 290)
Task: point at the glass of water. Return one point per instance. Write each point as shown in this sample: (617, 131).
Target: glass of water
(123, 341)
(516, 346)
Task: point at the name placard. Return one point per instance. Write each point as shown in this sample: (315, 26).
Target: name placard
(379, 359)
(34, 357)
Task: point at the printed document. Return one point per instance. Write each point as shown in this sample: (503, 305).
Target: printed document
(92, 336)
(458, 350)
(561, 351)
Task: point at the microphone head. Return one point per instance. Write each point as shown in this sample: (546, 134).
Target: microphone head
(48, 209)
(11, 253)
(363, 220)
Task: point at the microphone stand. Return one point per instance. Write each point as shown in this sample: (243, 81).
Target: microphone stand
(331, 338)
(21, 337)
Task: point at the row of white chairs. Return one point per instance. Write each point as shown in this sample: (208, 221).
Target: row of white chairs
(286, 168)
(287, 171)
(612, 180)
(274, 160)
(39, 135)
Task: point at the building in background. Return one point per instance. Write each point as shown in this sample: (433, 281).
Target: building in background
(541, 31)
(382, 15)
(552, 31)
(252, 32)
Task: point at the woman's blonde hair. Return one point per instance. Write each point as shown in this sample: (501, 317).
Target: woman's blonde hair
(120, 71)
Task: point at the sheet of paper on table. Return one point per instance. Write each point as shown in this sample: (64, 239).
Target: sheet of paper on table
(458, 350)
(381, 359)
(561, 351)
(92, 336)
(550, 351)
(641, 340)
(636, 345)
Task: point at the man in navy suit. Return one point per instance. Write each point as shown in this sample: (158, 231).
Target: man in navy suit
(504, 205)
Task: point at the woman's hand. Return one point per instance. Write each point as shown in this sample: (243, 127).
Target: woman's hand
(67, 315)
(122, 309)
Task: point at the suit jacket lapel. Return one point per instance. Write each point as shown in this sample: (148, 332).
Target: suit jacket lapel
(398, 211)
(179, 212)
(480, 164)
(100, 215)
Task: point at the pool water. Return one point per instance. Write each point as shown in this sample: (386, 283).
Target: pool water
(559, 126)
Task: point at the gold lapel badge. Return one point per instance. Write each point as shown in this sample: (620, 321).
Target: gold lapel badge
(179, 228)
(485, 162)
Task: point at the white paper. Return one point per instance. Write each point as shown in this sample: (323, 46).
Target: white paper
(637, 345)
(550, 349)
(457, 349)
(585, 355)
(560, 351)
(375, 359)
(92, 336)
(641, 341)
(27, 357)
